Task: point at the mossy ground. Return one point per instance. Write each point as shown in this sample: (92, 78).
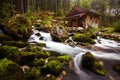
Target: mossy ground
(36, 58)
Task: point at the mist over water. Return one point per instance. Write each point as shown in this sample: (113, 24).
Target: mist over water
(77, 52)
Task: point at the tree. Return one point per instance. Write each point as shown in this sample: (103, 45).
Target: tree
(85, 4)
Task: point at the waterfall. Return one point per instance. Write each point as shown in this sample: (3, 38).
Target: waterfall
(76, 52)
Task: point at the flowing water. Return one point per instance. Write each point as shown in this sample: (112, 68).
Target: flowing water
(77, 52)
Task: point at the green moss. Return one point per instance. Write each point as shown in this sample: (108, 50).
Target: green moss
(32, 74)
(31, 53)
(117, 26)
(10, 70)
(19, 44)
(43, 54)
(116, 68)
(10, 52)
(39, 62)
(38, 50)
(53, 67)
(19, 27)
(5, 38)
(64, 58)
(42, 45)
(83, 38)
(91, 63)
(27, 58)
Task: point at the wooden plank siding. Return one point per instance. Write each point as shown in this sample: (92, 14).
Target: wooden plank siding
(79, 17)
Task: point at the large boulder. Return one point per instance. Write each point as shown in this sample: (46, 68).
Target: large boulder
(78, 37)
(10, 52)
(91, 63)
(32, 74)
(53, 67)
(19, 27)
(59, 34)
(10, 70)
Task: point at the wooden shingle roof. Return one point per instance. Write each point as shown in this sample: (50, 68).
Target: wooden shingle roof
(78, 12)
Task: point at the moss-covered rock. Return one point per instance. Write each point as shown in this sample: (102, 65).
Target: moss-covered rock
(31, 53)
(40, 53)
(10, 70)
(116, 68)
(27, 58)
(19, 44)
(64, 58)
(41, 44)
(19, 27)
(59, 34)
(43, 54)
(83, 38)
(91, 63)
(5, 38)
(53, 67)
(10, 52)
(32, 74)
(38, 62)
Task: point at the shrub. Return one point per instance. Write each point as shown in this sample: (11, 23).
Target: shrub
(117, 26)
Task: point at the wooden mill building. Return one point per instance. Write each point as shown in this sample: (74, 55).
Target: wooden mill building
(79, 17)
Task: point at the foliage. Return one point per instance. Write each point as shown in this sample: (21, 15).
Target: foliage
(6, 9)
(117, 26)
(53, 67)
(10, 70)
(85, 4)
(91, 63)
(44, 21)
(32, 74)
(92, 29)
(19, 27)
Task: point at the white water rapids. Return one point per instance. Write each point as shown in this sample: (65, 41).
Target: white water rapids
(76, 52)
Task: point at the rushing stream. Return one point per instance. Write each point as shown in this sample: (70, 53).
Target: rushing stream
(77, 52)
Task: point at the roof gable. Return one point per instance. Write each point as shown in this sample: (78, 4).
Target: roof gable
(76, 10)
